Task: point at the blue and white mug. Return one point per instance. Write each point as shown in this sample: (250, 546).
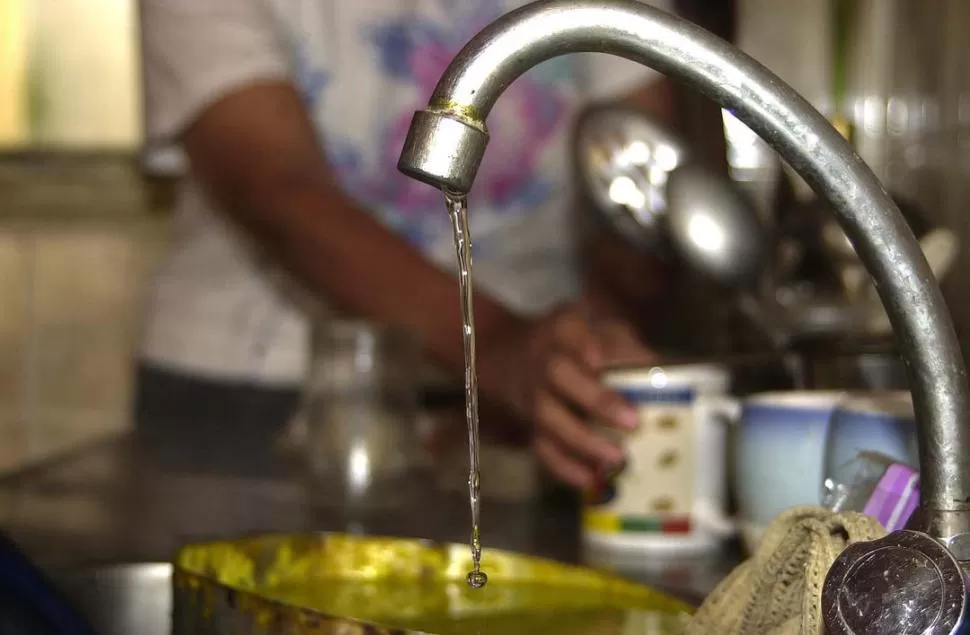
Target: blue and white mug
(779, 455)
(789, 443)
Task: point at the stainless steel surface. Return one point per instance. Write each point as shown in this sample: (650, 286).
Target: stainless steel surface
(542, 30)
(457, 146)
(718, 233)
(714, 228)
(623, 158)
(126, 599)
(84, 514)
(137, 598)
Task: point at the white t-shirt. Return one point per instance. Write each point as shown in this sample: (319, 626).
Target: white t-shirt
(364, 66)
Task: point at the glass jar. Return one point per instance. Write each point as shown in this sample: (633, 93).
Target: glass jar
(363, 450)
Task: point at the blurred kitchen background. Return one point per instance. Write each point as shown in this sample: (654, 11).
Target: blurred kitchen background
(83, 207)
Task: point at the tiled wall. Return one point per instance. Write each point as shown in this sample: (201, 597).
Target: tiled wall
(71, 278)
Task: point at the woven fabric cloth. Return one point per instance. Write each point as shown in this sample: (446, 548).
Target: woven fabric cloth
(778, 591)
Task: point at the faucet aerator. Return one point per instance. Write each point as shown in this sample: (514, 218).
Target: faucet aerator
(443, 150)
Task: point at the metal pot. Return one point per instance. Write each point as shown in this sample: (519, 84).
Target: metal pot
(123, 599)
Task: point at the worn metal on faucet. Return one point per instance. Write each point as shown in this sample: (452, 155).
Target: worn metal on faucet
(447, 140)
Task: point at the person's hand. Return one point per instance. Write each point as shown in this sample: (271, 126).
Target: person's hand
(548, 373)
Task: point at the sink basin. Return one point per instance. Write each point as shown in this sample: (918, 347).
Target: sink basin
(137, 598)
(122, 599)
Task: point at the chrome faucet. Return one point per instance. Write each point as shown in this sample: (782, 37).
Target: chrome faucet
(447, 140)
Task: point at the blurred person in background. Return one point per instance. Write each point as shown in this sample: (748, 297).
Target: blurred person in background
(292, 114)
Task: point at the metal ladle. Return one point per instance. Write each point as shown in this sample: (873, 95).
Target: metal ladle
(639, 177)
(446, 142)
(624, 159)
(714, 228)
(718, 233)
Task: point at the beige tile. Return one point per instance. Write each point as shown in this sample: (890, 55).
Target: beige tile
(57, 430)
(87, 370)
(46, 513)
(87, 277)
(13, 449)
(14, 254)
(11, 373)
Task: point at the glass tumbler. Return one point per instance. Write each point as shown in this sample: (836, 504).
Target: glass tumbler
(363, 451)
(868, 433)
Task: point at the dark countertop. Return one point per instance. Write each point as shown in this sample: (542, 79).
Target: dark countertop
(114, 502)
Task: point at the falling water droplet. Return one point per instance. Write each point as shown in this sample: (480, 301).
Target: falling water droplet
(477, 579)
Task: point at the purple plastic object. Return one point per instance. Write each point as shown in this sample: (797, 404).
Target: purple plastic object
(895, 498)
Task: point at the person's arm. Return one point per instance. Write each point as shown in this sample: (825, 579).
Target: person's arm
(257, 152)
(219, 81)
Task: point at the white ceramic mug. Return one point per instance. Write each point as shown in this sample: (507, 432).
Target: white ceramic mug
(787, 443)
(672, 492)
(779, 455)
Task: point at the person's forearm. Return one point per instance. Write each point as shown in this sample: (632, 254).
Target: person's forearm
(339, 251)
(257, 153)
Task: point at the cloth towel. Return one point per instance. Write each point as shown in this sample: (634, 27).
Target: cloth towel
(778, 591)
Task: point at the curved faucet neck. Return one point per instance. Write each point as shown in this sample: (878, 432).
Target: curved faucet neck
(446, 143)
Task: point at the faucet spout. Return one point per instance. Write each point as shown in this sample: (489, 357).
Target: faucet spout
(447, 141)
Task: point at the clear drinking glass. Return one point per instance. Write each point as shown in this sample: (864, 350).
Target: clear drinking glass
(363, 451)
(867, 434)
